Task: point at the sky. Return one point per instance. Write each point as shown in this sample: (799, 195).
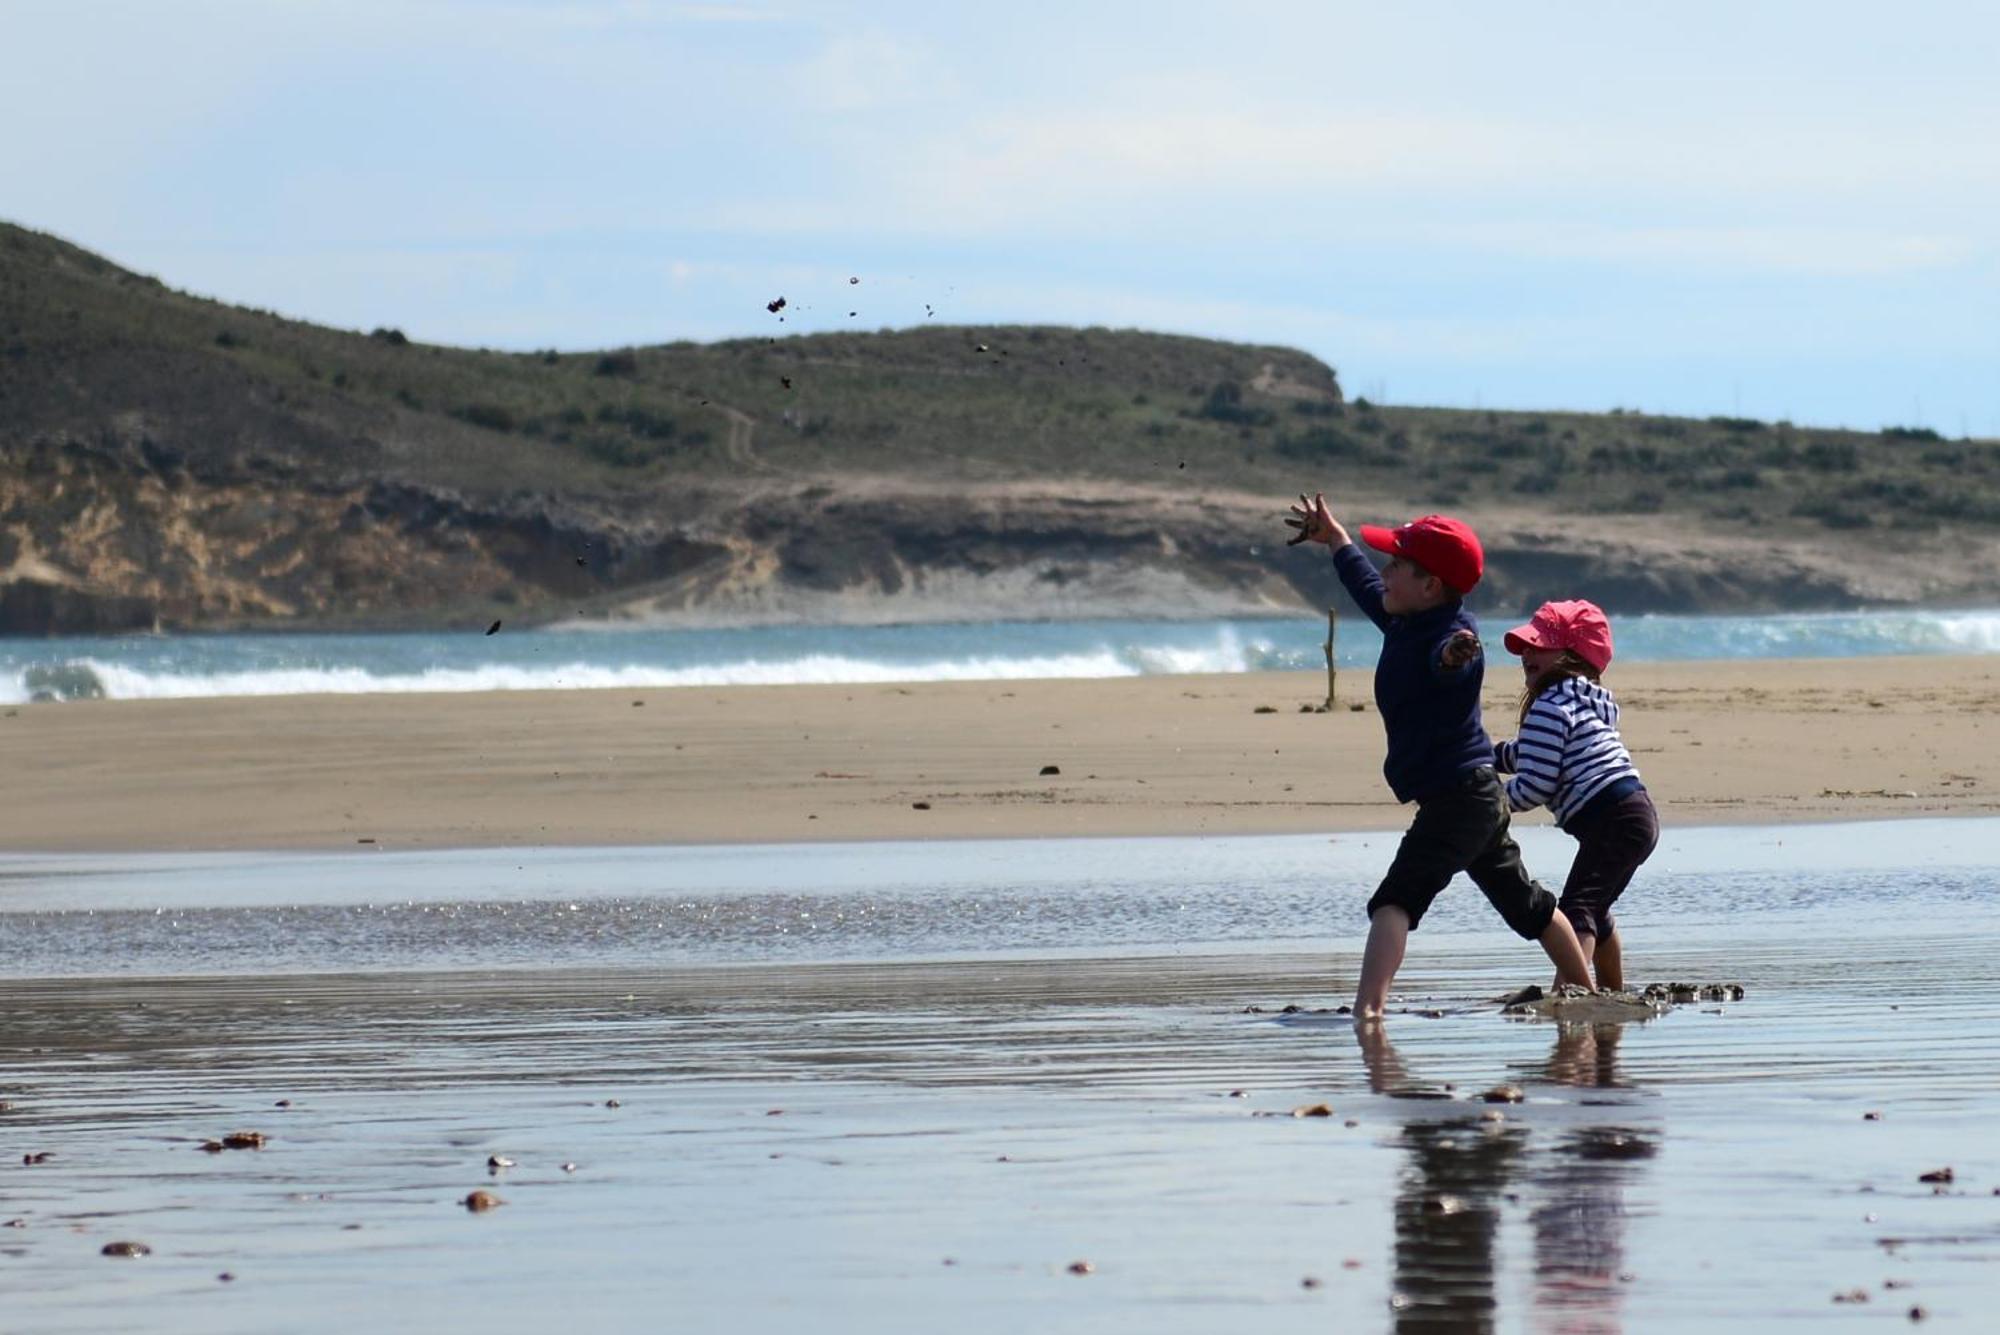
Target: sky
(1780, 210)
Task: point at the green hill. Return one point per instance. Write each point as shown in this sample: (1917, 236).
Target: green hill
(166, 459)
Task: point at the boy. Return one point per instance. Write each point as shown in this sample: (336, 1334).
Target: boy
(1427, 689)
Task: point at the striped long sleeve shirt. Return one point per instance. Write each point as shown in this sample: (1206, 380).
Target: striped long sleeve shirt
(1568, 752)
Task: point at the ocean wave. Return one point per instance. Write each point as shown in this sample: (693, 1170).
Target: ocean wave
(91, 679)
(184, 667)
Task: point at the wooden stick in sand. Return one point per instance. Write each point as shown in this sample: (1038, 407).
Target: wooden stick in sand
(1332, 624)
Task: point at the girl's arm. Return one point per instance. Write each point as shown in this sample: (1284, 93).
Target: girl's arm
(1503, 756)
(1538, 755)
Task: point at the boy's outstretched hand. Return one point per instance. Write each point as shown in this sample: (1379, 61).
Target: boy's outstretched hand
(1459, 650)
(1315, 523)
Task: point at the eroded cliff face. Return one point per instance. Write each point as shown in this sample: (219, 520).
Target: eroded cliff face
(123, 535)
(117, 537)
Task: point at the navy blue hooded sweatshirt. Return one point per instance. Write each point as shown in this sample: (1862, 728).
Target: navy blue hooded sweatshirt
(1431, 712)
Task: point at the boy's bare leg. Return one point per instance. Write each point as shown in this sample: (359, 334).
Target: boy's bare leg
(1611, 962)
(1588, 945)
(1558, 939)
(1388, 937)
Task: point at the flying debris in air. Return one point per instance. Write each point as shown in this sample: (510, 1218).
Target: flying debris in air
(775, 306)
(852, 281)
(785, 380)
(493, 629)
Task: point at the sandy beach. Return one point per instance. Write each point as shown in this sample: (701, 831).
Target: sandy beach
(1718, 742)
(974, 1083)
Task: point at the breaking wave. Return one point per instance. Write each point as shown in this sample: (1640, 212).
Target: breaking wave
(168, 667)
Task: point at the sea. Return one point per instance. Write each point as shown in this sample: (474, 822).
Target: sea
(508, 659)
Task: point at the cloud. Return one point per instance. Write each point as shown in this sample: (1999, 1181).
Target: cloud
(873, 72)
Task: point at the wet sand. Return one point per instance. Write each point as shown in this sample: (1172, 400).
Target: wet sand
(1011, 1086)
(928, 1145)
(1738, 741)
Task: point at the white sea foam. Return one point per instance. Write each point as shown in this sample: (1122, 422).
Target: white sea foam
(120, 682)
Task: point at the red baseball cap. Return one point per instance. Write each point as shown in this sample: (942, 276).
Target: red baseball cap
(1447, 548)
(1577, 625)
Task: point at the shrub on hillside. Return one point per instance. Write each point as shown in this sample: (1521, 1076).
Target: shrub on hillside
(1831, 456)
(1225, 404)
(1834, 513)
(489, 415)
(641, 422)
(1321, 443)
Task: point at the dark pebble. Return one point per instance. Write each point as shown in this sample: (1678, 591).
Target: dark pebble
(920, 806)
(1052, 769)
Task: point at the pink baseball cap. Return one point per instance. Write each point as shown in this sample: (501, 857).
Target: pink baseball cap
(1577, 625)
(1446, 547)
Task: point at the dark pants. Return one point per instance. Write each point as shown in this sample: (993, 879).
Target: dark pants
(1464, 829)
(1611, 844)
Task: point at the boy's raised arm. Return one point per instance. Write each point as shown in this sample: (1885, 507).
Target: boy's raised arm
(1315, 523)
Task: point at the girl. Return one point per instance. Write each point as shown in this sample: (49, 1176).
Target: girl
(1570, 757)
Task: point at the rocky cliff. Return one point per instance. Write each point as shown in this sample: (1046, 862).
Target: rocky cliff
(171, 462)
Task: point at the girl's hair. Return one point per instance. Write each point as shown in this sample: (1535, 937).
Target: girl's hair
(1571, 664)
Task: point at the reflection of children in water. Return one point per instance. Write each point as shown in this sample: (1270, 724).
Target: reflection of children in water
(1457, 1182)
(1579, 1212)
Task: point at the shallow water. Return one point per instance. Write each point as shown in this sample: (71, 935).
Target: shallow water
(891, 1124)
